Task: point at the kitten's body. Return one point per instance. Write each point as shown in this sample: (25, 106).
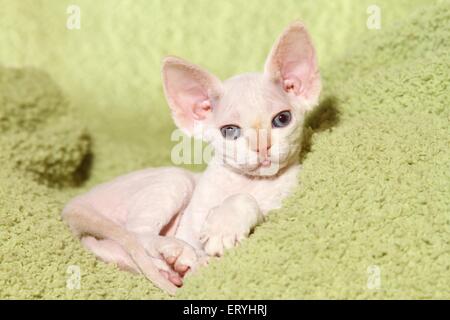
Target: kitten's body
(163, 222)
(218, 183)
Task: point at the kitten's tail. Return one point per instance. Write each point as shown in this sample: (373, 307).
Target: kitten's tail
(84, 221)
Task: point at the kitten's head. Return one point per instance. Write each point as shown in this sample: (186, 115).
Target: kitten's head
(253, 121)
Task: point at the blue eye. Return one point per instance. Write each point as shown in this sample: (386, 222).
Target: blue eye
(282, 119)
(230, 132)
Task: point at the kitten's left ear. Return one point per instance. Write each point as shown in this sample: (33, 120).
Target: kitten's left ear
(190, 92)
(292, 63)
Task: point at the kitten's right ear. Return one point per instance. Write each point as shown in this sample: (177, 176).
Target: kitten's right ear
(292, 63)
(190, 92)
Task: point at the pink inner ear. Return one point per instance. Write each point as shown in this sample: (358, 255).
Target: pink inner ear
(297, 70)
(201, 109)
(191, 99)
(188, 89)
(292, 84)
(293, 63)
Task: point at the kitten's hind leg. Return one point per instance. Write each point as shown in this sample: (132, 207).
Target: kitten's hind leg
(86, 222)
(178, 254)
(156, 214)
(159, 196)
(110, 251)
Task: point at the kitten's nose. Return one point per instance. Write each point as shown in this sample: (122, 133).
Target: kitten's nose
(263, 149)
(261, 142)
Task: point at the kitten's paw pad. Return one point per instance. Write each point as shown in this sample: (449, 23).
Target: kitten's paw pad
(167, 272)
(178, 254)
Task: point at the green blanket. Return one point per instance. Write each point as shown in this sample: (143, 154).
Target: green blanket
(371, 217)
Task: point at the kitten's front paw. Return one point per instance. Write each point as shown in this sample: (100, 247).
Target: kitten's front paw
(230, 223)
(215, 243)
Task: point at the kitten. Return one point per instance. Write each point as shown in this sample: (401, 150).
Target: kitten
(164, 222)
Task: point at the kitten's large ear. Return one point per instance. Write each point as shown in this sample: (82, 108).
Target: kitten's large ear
(293, 64)
(190, 92)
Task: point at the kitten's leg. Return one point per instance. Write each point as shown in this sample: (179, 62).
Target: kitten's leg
(85, 221)
(178, 254)
(157, 213)
(110, 252)
(153, 207)
(229, 223)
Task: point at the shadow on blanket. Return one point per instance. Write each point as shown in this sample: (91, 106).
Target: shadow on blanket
(324, 117)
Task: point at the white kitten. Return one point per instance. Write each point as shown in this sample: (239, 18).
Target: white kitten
(163, 222)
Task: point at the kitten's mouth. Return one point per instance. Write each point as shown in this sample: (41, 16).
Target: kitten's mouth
(262, 165)
(266, 163)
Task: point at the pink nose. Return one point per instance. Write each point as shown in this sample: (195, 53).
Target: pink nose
(263, 152)
(267, 149)
(260, 142)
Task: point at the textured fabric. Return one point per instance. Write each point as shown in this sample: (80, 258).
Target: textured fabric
(375, 185)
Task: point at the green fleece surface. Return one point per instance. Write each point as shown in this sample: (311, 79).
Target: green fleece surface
(371, 216)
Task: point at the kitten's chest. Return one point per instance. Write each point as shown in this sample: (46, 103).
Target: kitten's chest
(217, 184)
(269, 193)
